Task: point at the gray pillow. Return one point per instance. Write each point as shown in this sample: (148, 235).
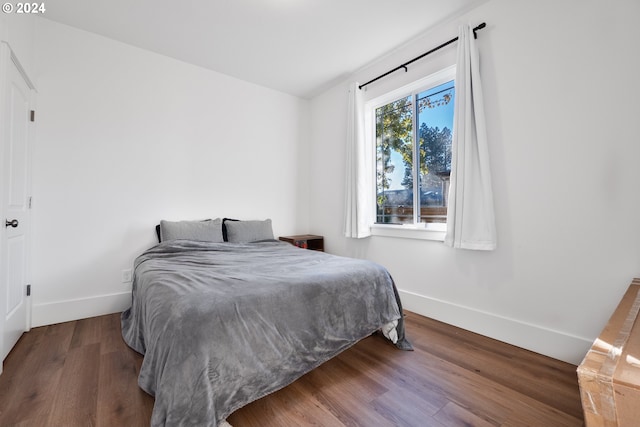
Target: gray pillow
(248, 231)
(204, 231)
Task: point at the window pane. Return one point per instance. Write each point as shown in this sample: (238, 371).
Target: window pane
(394, 162)
(435, 128)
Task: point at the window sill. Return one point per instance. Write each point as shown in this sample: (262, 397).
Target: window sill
(410, 231)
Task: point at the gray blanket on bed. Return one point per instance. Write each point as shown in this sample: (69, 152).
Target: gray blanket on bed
(221, 325)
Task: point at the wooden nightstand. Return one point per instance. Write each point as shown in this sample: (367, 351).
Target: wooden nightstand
(306, 241)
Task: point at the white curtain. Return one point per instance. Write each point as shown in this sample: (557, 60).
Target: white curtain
(470, 217)
(358, 199)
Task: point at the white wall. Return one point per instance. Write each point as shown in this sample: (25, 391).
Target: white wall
(18, 31)
(562, 97)
(127, 137)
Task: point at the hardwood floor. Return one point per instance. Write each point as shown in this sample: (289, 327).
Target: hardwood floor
(82, 374)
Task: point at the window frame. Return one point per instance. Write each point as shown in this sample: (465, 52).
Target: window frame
(416, 230)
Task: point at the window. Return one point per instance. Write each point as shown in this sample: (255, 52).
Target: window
(412, 132)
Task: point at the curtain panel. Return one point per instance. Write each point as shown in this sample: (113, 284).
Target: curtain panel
(359, 169)
(470, 214)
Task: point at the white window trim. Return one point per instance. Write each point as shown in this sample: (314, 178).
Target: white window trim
(422, 231)
(431, 231)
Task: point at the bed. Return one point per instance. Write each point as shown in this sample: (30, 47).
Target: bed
(222, 324)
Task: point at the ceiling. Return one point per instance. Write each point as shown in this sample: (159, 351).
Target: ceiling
(298, 47)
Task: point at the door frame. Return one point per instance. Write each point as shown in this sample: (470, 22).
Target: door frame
(7, 55)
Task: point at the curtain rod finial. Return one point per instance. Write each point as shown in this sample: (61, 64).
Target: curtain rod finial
(479, 27)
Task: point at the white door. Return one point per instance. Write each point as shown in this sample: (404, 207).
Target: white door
(15, 131)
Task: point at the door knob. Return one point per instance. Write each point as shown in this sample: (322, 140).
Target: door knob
(13, 223)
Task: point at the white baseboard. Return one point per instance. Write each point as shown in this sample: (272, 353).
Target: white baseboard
(555, 344)
(81, 308)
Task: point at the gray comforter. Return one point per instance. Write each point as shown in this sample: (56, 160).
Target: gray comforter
(221, 325)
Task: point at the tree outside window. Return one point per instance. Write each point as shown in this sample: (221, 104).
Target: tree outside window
(426, 117)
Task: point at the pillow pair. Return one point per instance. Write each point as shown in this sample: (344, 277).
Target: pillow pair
(216, 230)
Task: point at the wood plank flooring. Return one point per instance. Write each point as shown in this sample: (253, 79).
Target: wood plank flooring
(81, 373)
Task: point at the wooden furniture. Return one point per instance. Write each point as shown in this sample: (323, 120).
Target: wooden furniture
(306, 241)
(609, 375)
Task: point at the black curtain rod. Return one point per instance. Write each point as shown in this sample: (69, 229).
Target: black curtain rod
(399, 67)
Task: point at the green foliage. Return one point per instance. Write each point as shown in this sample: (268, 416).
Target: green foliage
(435, 150)
(394, 131)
